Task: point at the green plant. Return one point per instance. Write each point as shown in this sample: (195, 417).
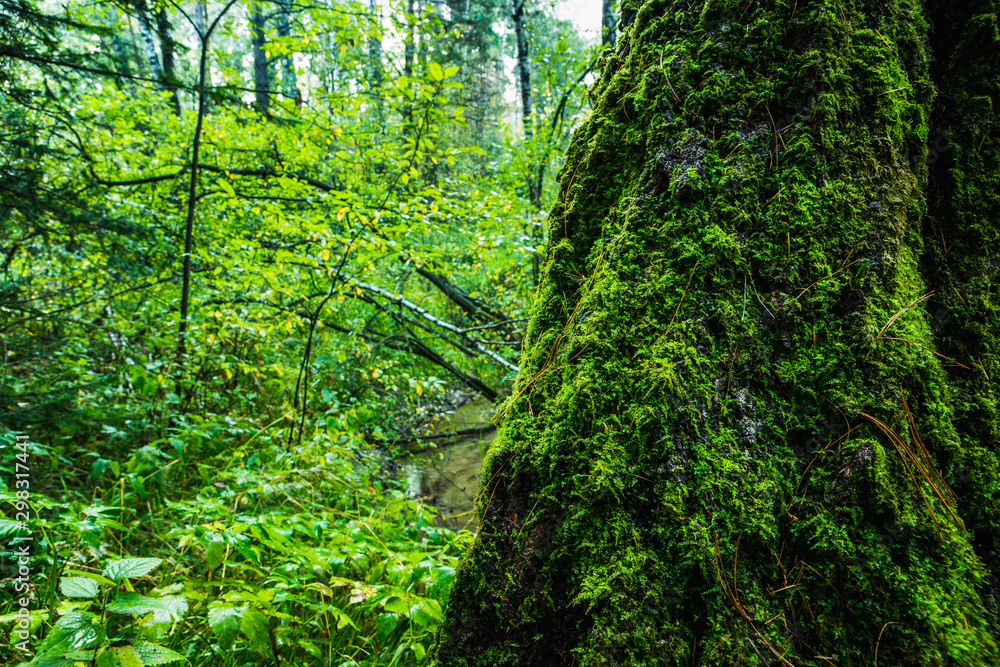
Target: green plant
(90, 630)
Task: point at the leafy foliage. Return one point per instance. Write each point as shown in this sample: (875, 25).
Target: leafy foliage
(361, 247)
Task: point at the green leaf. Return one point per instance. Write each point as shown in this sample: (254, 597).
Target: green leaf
(310, 648)
(214, 553)
(174, 608)
(92, 576)
(152, 654)
(130, 567)
(70, 632)
(122, 655)
(254, 626)
(450, 72)
(134, 604)
(343, 620)
(224, 184)
(425, 613)
(224, 621)
(435, 70)
(397, 605)
(78, 587)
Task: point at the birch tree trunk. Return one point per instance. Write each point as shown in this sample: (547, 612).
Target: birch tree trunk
(745, 431)
(149, 44)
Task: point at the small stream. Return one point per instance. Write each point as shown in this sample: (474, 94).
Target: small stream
(446, 473)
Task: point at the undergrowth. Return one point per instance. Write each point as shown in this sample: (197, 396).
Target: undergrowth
(302, 557)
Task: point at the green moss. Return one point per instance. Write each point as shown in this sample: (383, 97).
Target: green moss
(682, 475)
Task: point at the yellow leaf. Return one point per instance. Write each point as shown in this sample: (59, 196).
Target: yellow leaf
(342, 212)
(420, 390)
(325, 254)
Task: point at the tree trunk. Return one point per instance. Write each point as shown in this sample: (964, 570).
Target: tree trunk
(148, 43)
(963, 199)
(261, 78)
(535, 171)
(733, 434)
(608, 22)
(375, 76)
(288, 80)
(523, 67)
(119, 50)
(167, 48)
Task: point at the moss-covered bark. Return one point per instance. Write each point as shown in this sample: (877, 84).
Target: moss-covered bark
(730, 438)
(961, 262)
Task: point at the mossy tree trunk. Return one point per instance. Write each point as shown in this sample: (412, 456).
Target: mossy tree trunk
(733, 435)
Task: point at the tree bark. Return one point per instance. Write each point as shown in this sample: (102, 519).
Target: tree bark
(608, 23)
(523, 67)
(119, 50)
(535, 171)
(288, 80)
(148, 43)
(733, 433)
(375, 75)
(261, 76)
(963, 198)
(167, 49)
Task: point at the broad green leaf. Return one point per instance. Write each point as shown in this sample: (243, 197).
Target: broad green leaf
(343, 620)
(214, 553)
(224, 184)
(78, 587)
(242, 544)
(122, 655)
(426, 612)
(224, 621)
(52, 662)
(152, 654)
(134, 604)
(311, 648)
(435, 70)
(397, 605)
(92, 576)
(72, 631)
(254, 626)
(130, 567)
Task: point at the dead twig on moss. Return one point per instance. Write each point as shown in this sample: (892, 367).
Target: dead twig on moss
(732, 596)
(923, 465)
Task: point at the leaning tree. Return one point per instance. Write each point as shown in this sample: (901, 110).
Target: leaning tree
(756, 421)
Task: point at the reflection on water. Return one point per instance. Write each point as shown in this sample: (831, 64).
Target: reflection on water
(447, 475)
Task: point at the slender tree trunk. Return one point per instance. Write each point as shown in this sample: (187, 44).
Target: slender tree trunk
(167, 49)
(149, 44)
(203, 37)
(410, 45)
(289, 85)
(523, 68)
(535, 172)
(119, 51)
(409, 54)
(375, 76)
(261, 78)
(733, 434)
(200, 16)
(608, 22)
